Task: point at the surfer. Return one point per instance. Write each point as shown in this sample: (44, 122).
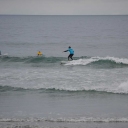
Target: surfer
(0, 52)
(71, 51)
(39, 53)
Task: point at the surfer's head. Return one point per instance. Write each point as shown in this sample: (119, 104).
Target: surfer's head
(69, 47)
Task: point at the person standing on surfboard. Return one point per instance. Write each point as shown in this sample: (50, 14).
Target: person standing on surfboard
(71, 51)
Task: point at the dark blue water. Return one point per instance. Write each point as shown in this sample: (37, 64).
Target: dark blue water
(90, 91)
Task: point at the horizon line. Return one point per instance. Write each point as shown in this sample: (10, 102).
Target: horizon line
(64, 15)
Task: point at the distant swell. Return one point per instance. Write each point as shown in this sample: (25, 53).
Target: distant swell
(30, 59)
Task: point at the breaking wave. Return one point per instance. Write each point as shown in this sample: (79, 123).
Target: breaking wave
(120, 89)
(101, 61)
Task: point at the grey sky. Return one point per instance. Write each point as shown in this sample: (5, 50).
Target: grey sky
(64, 7)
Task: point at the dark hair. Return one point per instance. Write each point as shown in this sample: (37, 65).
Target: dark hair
(69, 47)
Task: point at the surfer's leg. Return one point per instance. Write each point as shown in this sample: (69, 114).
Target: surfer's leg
(71, 56)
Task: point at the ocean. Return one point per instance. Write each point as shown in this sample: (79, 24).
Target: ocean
(39, 92)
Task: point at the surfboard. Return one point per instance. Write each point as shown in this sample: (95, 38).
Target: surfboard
(65, 62)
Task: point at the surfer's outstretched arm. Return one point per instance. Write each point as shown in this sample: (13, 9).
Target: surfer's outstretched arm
(66, 51)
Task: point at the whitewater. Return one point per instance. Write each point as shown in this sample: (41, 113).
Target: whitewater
(86, 82)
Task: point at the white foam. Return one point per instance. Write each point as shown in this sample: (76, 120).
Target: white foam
(123, 87)
(82, 61)
(69, 119)
(89, 119)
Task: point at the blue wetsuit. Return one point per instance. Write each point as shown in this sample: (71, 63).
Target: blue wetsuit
(71, 53)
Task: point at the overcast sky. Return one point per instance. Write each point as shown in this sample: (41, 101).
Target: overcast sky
(64, 7)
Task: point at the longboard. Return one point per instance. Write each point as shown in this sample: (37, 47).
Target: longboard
(65, 62)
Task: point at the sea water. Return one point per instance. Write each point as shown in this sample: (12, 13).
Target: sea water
(39, 92)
